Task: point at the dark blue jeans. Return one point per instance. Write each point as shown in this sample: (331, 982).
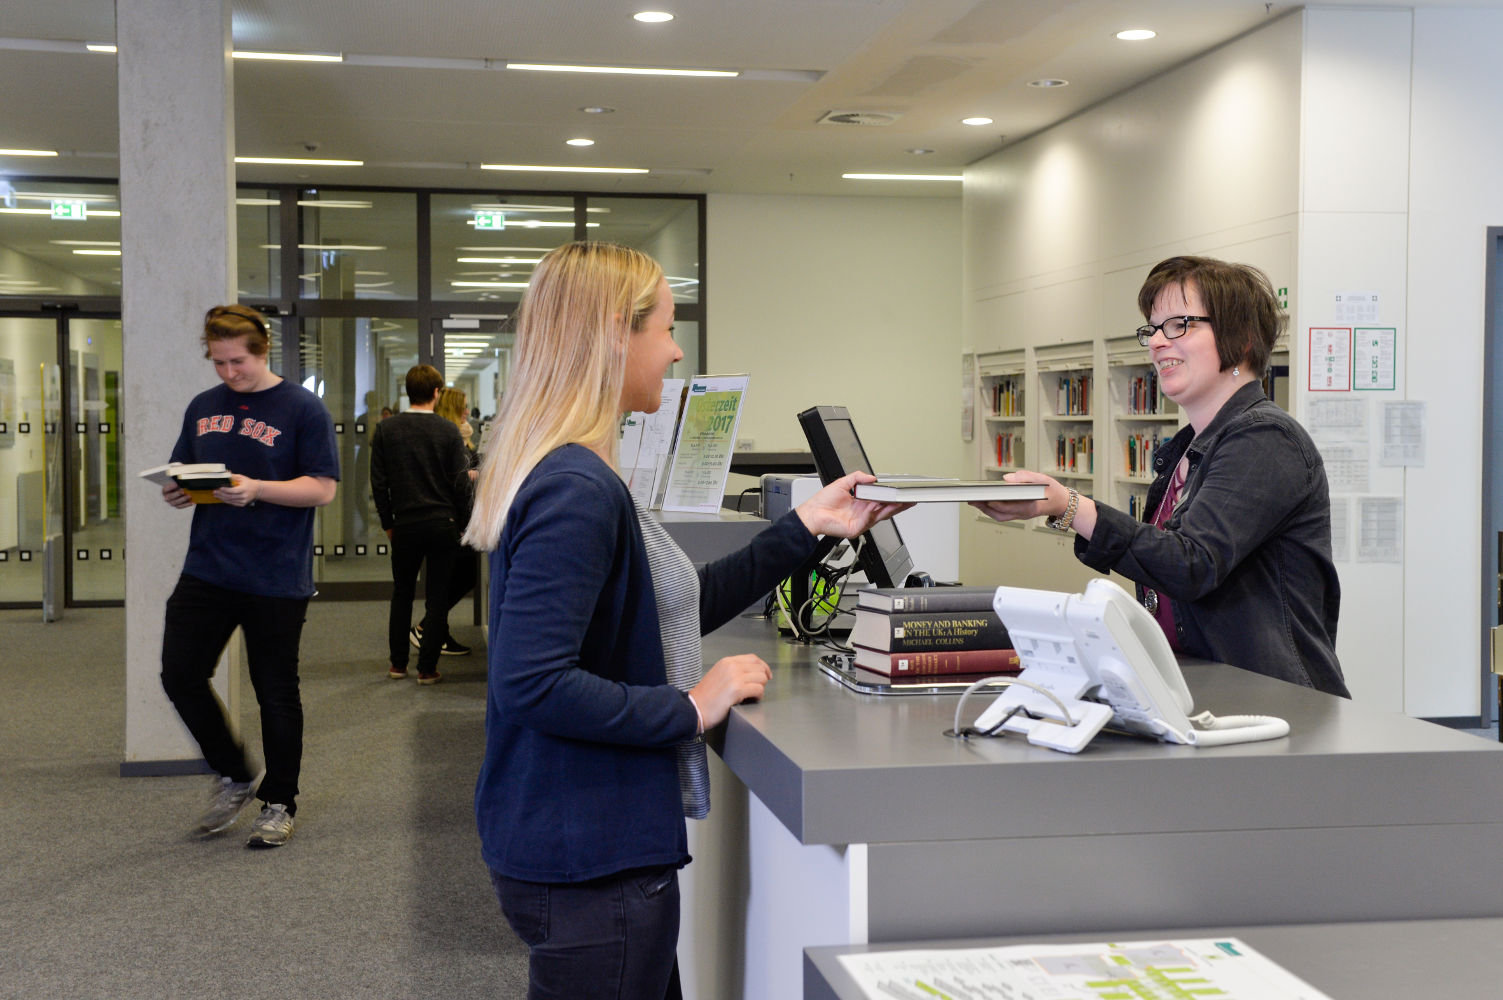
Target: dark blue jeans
(611, 938)
(437, 544)
(200, 619)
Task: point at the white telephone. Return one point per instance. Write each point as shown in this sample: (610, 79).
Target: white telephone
(1096, 658)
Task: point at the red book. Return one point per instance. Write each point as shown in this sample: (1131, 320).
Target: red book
(979, 662)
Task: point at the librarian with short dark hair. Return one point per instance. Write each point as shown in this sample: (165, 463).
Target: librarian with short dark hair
(1233, 555)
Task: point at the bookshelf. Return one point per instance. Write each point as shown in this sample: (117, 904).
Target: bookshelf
(1004, 412)
(1141, 419)
(1066, 377)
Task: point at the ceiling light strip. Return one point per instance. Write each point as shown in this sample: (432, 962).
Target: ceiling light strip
(903, 177)
(299, 161)
(621, 70)
(544, 168)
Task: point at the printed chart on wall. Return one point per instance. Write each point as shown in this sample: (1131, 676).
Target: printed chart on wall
(1330, 364)
(1225, 968)
(706, 440)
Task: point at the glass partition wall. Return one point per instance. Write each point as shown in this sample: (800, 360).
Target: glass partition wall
(358, 285)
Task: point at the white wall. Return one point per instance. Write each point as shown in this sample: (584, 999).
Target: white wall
(1454, 191)
(850, 301)
(1061, 229)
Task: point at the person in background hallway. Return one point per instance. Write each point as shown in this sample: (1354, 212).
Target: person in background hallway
(1233, 556)
(597, 699)
(450, 406)
(249, 564)
(420, 479)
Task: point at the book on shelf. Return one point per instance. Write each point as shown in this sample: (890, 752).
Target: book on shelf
(197, 479)
(911, 599)
(946, 490)
(928, 631)
(939, 663)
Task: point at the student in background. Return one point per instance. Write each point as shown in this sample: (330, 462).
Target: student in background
(249, 564)
(1233, 555)
(597, 699)
(420, 478)
(451, 406)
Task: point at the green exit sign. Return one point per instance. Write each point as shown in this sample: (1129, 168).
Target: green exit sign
(67, 209)
(490, 220)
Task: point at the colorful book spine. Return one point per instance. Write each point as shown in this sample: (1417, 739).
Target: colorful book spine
(930, 631)
(978, 662)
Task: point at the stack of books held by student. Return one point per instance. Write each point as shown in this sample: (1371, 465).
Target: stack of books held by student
(197, 479)
(923, 635)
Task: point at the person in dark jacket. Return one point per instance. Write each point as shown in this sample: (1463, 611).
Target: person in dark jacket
(1233, 556)
(597, 700)
(420, 478)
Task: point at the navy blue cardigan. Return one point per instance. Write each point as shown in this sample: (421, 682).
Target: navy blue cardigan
(579, 779)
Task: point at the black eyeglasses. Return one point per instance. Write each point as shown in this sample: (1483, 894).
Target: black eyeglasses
(1172, 328)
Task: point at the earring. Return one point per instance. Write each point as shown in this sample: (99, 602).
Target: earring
(1236, 372)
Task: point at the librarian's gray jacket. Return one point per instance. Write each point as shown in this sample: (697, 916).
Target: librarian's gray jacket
(1245, 558)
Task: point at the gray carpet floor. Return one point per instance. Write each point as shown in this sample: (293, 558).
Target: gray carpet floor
(380, 893)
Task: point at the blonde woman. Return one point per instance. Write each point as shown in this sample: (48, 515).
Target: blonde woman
(596, 705)
(453, 407)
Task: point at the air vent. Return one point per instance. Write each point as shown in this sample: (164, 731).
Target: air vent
(863, 118)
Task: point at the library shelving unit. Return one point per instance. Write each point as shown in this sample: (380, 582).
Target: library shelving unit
(1067, 425)
(1141, 418)
(1003, 412)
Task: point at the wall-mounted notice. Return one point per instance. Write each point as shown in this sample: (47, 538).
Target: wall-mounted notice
(1341, 519)
(967, 396)
(1373, 351)
(1403, 433)
(1330, 364)
(1380, 529)
(706, 439)
(1355, 308)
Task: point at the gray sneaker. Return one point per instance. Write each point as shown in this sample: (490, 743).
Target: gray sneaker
(272, 827)
(229, 798)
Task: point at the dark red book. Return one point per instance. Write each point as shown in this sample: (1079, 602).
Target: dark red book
(979, 662)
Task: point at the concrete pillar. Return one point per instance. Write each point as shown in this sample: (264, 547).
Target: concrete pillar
(177, 233)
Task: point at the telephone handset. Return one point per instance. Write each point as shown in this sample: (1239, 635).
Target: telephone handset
(1096, 658)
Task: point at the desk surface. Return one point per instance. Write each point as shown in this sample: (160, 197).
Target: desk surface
(1383, 960)
(837, 767)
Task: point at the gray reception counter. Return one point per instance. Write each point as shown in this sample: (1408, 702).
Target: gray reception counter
(840, 818)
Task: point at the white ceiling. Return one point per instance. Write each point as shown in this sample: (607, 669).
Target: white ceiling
(931, 62)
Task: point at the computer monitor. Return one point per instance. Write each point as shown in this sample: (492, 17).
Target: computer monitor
(837, 451)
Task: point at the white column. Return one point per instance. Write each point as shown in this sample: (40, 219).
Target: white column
(177, 225)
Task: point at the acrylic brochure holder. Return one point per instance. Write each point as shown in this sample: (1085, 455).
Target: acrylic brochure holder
(1096, 659)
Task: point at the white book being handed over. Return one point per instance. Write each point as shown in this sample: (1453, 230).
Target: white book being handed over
(946, 490)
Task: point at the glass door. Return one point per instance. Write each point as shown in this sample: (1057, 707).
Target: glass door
(96, 537)
(29, 383)
(358, 367)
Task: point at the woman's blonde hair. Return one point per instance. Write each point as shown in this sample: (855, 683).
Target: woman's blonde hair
(452, 405)
(568, 366)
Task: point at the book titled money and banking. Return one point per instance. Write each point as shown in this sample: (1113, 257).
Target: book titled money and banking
(928, 631)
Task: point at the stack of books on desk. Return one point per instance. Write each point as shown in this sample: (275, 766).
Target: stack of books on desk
(923, 634)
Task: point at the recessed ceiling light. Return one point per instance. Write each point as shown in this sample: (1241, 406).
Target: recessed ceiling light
(563, 170)
(621, 70)
(903, 177)
(28, 152)
(652, 16)
(100, 47)
(1045, 84)
(1136, 34)
(299, 161)
(597, 109)
(978, 120)
(580, 142)
(918, 151)
(290, 56)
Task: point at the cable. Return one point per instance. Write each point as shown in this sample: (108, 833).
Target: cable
(1003, 681)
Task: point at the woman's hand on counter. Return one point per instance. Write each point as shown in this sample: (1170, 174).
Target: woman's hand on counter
(730, 681)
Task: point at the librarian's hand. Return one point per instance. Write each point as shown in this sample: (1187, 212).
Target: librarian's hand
(729, 682)
(242, 492)
(174, 495)
(1056, 499)
(833, 511)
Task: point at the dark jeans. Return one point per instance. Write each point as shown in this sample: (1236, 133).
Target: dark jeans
(200, 619)
(611, 938)
(437, 544)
